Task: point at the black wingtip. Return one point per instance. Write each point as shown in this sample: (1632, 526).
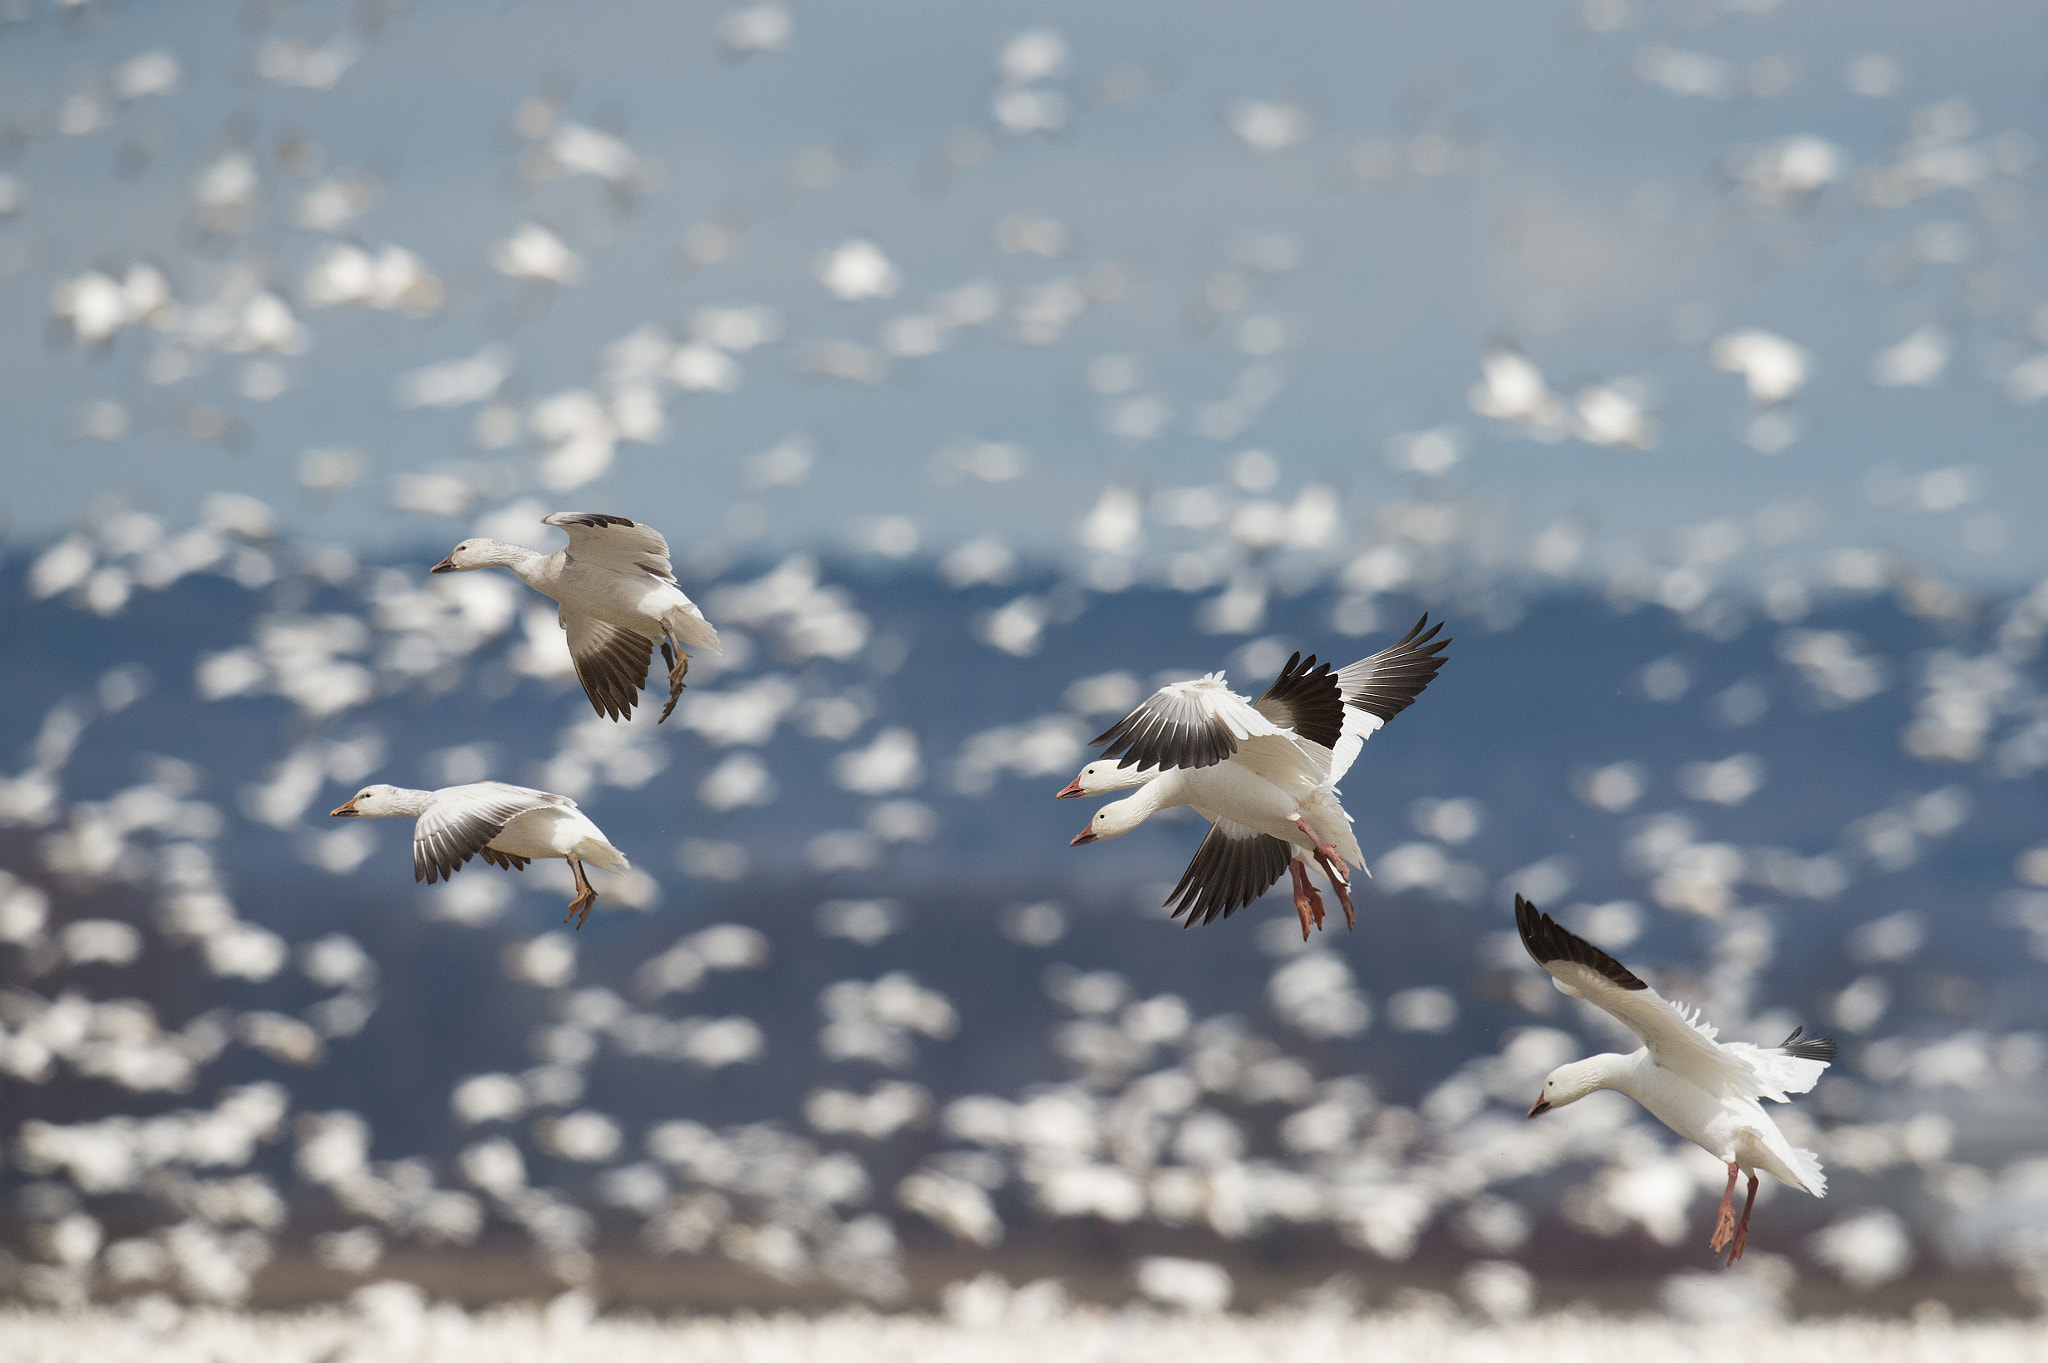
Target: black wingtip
(1546, 941)
(596, 518)
(1389, 681)
(1313, 699)
(1821, 1048)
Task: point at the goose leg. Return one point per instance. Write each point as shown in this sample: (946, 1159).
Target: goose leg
(1307, 902)
(579, 907)
(1724, 1225)
(678, 659)
(1325, 853)
(1742, 1226)
(1341, 883)
(1333, 867)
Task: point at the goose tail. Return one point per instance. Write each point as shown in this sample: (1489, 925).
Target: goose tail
(688, 624)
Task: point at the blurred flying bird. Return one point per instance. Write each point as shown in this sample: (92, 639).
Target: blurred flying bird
(1264, 773)
(619, 598)
(508, 825)
(1707, 1091)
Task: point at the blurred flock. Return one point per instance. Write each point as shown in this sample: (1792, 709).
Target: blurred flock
(987, 366)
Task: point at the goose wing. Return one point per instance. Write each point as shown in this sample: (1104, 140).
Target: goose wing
(1378, 687)
(1307, 698)
(1795, 1065)
(1676, 1037)
(1387, 682)
(614, 543)
(1233, 866)
(1185, 724)
(461, 819)
(610, 662)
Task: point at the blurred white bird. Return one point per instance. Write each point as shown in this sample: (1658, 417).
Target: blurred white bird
(1708, 1091)
(619, 597)
(508, 825)
(1264, 772)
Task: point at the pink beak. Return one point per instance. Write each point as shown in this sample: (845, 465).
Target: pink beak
(1084, 837)
(1073, 791)
(446, 565)
(1540, 1108)
(347, 811)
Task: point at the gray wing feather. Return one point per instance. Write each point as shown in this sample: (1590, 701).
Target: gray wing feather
(610, 662)
(1168, 729)
(594, 519)
(615, 543)
(458, 824)
(1388, 682)
(1233, 866)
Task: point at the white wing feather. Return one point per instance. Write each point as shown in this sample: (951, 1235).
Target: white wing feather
(620, 548)
(1676, 1037)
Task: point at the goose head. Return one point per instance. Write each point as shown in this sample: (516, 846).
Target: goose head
(1100, 778)
(374, 802)
(1113, 820)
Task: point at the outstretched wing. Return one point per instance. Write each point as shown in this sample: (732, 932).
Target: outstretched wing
(462, 819)
(1388, 682)
(1378, 687)
(1306, 698)
(614, 542)
(1793, 1066)
(610, 662)
(1187, 724)
(1676, 1037)
(1233, 866)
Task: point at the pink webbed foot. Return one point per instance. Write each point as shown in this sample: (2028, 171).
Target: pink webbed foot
(1724, 1225)
(1341, 883)
(1742, 1226)
(1307, 902)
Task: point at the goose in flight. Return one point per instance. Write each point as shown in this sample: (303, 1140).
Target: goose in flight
(618, 596)
(1706, 1090)
(507, 825)
(1264, 773)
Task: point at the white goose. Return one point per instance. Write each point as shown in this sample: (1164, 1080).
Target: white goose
(508, 826)
(619, 598)
(1264, 772)
(1706, 1090)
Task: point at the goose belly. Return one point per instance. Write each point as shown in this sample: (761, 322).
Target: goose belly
(1244, 797)
(1698, 1114)
(635, 603)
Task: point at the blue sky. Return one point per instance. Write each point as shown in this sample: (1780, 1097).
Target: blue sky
(1555, 194)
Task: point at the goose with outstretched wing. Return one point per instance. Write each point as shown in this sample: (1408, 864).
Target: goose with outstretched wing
(618, 597)
(1707, 1090)
(1264, 772)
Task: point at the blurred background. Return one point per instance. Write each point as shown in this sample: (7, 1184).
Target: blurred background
(987, 366)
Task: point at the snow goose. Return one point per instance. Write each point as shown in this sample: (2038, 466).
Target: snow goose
(619, 598)
(507, 825)
(1706, 1090)
(1264, 772)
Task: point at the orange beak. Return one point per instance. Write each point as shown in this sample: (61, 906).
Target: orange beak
(1084, 837)
(1539, 1109)
(446, 565)
(347, 811)
(1073, 791)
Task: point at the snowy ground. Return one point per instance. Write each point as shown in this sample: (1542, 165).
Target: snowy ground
(565, 1332)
